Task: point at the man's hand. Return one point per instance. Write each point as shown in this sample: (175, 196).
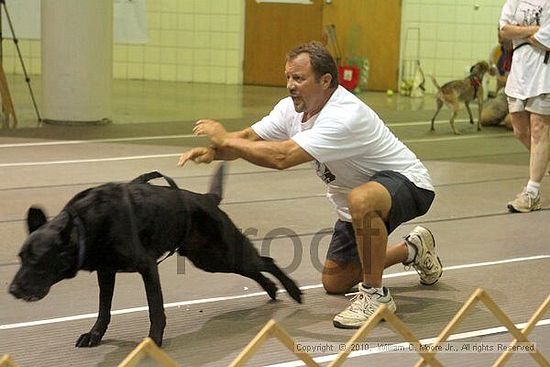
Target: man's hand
(212, 129)
(197, 155)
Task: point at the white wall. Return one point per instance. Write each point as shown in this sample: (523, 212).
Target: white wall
(203, 40)
(189, 40)
(454, 34)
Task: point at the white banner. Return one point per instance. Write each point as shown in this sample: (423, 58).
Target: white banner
(130, 23)
(130, 20)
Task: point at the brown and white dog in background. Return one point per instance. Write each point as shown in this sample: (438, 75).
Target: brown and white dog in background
(463, 90)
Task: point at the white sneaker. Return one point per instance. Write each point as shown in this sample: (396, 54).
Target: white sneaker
(363, 305)
(426, 262)
(525, 202)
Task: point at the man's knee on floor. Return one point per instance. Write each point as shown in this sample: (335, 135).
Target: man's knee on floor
(339, 277)
(335, 287)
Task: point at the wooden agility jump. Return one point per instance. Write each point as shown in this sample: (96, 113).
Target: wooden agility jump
(520, 336)
(427, 355)
(6, 361)
(271, 329)
(148, 348)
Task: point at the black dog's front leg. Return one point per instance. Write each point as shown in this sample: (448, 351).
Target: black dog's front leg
(157, 317)
(106, 281)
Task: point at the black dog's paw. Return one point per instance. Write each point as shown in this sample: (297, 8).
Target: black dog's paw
(296, 294)
(157, 340)
(91, 339)
(271, 290)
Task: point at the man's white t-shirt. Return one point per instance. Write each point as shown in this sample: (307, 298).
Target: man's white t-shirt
(529, 75)
(349, 142)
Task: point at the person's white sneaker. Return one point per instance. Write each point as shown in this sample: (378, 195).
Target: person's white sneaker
(363, 305)
(525, 202)
(426, 262)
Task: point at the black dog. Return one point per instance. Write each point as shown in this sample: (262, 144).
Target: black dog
(126, 227)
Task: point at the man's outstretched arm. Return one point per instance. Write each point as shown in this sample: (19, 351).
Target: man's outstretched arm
(208, 154)
(271, 154)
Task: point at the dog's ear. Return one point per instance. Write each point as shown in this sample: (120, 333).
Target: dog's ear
(35, 218)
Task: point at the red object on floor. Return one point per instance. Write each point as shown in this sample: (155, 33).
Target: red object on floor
(348, 76)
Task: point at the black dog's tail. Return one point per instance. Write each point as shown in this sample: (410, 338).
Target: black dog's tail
(216, 184)
(146, 177)
(290, 286)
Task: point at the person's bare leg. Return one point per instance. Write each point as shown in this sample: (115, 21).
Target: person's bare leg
(538, 160)
(526, 125)
(369, 206)
(521, 125)
(396, 254)
(338, 277)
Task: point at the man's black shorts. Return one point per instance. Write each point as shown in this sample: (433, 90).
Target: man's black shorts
(408, 201)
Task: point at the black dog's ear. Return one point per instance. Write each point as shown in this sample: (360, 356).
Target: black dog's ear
(35, 218)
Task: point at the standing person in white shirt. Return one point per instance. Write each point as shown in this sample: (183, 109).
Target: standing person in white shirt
(527, 24)
(373, 180)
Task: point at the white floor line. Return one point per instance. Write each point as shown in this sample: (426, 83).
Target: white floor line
(96, 141)
(422, 123)
(170, 155)
(186, 136)
(93, 160)
(220, 299)
(385, 348)
(459, 137)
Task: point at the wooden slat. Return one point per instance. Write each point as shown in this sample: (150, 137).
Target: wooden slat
(504, 357)
(6, 361)
(148, 348)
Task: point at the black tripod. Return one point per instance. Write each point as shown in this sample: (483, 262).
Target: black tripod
(16, 41)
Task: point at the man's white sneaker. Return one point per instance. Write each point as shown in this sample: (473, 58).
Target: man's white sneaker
(363, 305)
(426, 262)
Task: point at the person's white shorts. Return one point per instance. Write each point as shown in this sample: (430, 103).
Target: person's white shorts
(539, 104)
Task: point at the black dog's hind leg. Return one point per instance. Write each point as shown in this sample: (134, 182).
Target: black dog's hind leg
(157, 317)
(266, 284)
(106, 281)
(291, 287)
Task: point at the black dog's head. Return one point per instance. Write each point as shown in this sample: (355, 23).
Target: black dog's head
(49, 254)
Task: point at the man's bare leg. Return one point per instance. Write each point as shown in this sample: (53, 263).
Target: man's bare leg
(369, 206)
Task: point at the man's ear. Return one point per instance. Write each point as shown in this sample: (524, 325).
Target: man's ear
(35, 218)
(326, 79)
